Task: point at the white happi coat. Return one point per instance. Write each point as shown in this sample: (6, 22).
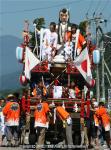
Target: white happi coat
(49, 42)
(2, 123)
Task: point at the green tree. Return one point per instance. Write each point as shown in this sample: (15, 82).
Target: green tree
(40, 23)
(82, 27)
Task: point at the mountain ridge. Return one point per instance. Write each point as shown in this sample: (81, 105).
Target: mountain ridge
(10, 68)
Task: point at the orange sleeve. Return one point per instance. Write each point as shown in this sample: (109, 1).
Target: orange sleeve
(34, 92)
(46, 106)
(102, 111)
(67, 36)
(97, 112)
(77, 90)
(82, 39)
(62, 112)
(6, 109)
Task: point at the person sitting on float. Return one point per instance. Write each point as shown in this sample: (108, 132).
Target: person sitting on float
(77, 39)
(72, 90)
(49, 42)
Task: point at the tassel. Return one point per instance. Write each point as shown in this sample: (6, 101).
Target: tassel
(63, 105)
(54, 115)
(75, 107)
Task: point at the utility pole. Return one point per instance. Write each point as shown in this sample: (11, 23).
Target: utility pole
(97, 81)
(100, 47)
(103, 73)
(102, 50)
(97, 66)
(96, 20)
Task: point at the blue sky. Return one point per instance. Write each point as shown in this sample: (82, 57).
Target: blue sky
(14, 12)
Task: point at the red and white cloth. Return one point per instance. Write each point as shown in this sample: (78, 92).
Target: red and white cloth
(82, 63)
(30, 62)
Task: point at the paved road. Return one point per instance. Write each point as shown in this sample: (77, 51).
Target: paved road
(29, 147)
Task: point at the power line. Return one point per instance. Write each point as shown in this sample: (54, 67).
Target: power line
(40, 8)
(109, 17)
(97, 6)
(90, 6)
(104, 7)
(109, 21)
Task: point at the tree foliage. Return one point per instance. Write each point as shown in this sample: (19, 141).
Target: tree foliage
(40, 23)
(83, 26)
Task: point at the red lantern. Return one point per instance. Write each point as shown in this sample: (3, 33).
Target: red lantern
(92, 83)
(56, 82)
(23, 80)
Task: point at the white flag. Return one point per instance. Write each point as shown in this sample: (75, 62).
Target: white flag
(82, 63)
(30, 62)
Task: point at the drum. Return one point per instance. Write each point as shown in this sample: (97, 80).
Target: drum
(20, 54)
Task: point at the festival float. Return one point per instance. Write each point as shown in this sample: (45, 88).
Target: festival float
(64, 69)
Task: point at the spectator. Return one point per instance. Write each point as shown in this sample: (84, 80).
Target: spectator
(72, 90)
(2, 121)
(104, 117)
(93, 126)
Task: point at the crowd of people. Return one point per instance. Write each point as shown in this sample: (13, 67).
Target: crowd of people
(94, 128)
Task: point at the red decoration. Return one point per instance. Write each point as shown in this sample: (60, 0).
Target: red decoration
(82, 108)
(71, 69)
(56, 82)
(92, 83)
(23, 80)
(83, 103)
(88, 108)
(84, 65)
(26, 39)
(43, 67)
(28, 104)
(23, 100)
(25, 104)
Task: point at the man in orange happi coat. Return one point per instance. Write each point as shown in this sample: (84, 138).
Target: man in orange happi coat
(41, 121)
(104, 117)
(11, 113)
(66, 118)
